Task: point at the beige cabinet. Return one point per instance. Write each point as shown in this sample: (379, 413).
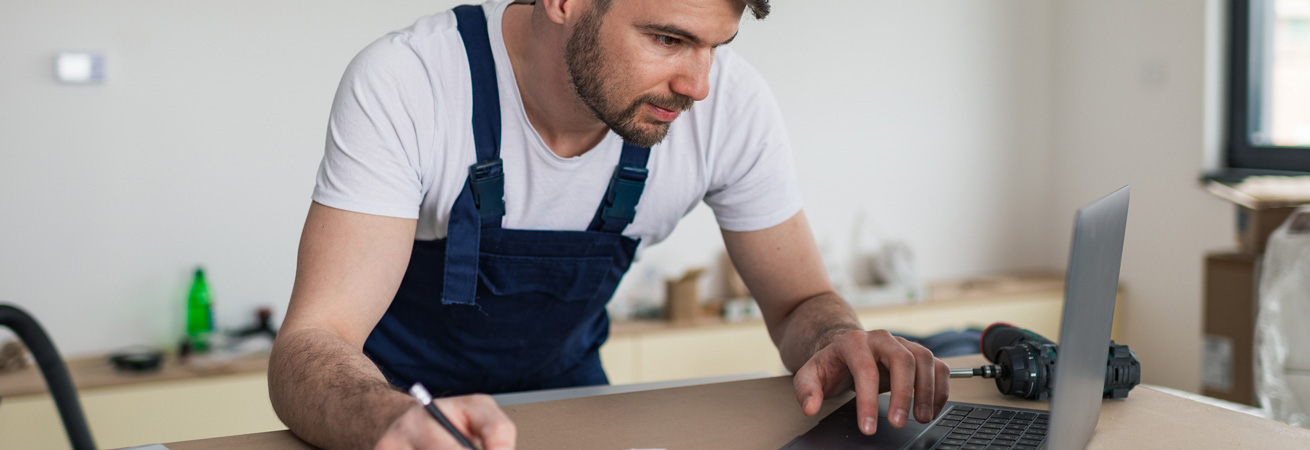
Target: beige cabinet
(646, 352)
(143, 413)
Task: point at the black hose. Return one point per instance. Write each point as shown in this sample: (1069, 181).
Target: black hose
(56, 374)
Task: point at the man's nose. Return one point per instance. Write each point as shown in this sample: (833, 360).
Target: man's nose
(694, 79)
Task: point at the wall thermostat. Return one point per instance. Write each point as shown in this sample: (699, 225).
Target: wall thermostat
(80, 67)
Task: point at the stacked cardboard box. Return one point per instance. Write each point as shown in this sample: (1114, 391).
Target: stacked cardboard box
(1231, 278)
(1229, 324)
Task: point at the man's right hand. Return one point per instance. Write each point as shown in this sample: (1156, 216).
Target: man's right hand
(477, 416)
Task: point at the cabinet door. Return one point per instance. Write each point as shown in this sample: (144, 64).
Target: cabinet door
(165, 411)
(706, 352)
(619, 357)
(1039, 312)
(725, 349)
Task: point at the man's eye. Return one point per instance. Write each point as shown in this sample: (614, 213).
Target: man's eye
(667, 41)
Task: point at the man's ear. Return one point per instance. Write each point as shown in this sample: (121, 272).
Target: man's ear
(564, 11)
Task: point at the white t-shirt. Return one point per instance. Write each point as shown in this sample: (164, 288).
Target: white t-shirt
(400, 141)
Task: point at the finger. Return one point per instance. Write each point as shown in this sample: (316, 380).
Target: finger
(416, 430)
(485, 421)
(435, 436)
(924, 383)
(808, 383)
(900, 368)
(388, 442)
(854, 350)
(942, 391)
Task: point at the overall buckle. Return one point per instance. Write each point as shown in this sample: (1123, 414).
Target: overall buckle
(487, 181)
(624, 192)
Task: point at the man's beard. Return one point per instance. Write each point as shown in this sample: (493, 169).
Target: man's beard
(597, 85)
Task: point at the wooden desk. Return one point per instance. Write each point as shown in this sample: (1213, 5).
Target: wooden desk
(763, 414)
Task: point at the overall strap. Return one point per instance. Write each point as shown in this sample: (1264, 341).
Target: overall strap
(486, 177)
(482, 201)
(619, 207)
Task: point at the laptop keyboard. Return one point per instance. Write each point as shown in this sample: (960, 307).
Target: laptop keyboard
(978, 428)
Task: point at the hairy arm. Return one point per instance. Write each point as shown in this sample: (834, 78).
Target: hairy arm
(328, 393)
(782, 268)
(821, 340)
(321, 384)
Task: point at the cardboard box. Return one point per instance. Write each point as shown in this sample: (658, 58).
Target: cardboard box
(1254, 225)
(683, 297)
(1263, 203)
(1229, 326)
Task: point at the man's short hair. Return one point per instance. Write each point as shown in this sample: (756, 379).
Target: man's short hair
(759, 8)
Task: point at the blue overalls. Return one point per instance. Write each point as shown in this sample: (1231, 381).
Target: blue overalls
(493, 310)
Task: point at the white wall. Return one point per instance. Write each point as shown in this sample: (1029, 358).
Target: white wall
(1135, 84)
(200, 149)
(932, 117)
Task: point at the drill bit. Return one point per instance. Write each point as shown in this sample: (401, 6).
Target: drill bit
(988, 371)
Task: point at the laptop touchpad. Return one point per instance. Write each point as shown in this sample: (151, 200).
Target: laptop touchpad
(838, 431)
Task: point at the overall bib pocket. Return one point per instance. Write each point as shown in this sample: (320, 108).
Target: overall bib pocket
(566, 279)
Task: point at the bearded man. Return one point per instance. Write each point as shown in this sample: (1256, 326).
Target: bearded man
(491, 172)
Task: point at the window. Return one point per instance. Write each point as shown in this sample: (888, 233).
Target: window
(1269, 85)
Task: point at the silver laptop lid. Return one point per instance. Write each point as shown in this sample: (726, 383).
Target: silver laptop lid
(1090, 287)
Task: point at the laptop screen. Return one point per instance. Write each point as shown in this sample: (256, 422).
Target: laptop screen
(1090, 288)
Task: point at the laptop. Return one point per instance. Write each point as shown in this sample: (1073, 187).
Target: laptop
(1090, 287)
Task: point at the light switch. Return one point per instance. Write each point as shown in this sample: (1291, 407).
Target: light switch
(80, 68)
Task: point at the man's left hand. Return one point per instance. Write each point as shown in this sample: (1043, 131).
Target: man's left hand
(874, 362)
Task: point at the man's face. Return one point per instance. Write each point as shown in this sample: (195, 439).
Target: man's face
(642, 62)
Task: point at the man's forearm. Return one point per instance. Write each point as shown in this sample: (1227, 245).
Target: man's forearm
(328, 393)
(811, 326)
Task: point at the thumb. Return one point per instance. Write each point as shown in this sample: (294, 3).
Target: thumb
(809, 389)
(486, 422)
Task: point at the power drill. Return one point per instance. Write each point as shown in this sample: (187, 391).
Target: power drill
(1024, 364)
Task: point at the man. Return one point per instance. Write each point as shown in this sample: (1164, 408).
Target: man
(489, 176)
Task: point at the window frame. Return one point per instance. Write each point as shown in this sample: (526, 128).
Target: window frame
(1241, 153)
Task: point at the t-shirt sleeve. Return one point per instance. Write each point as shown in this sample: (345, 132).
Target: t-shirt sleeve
(753, 184)
(371, 163)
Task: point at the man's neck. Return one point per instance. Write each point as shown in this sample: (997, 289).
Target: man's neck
(536, 52)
